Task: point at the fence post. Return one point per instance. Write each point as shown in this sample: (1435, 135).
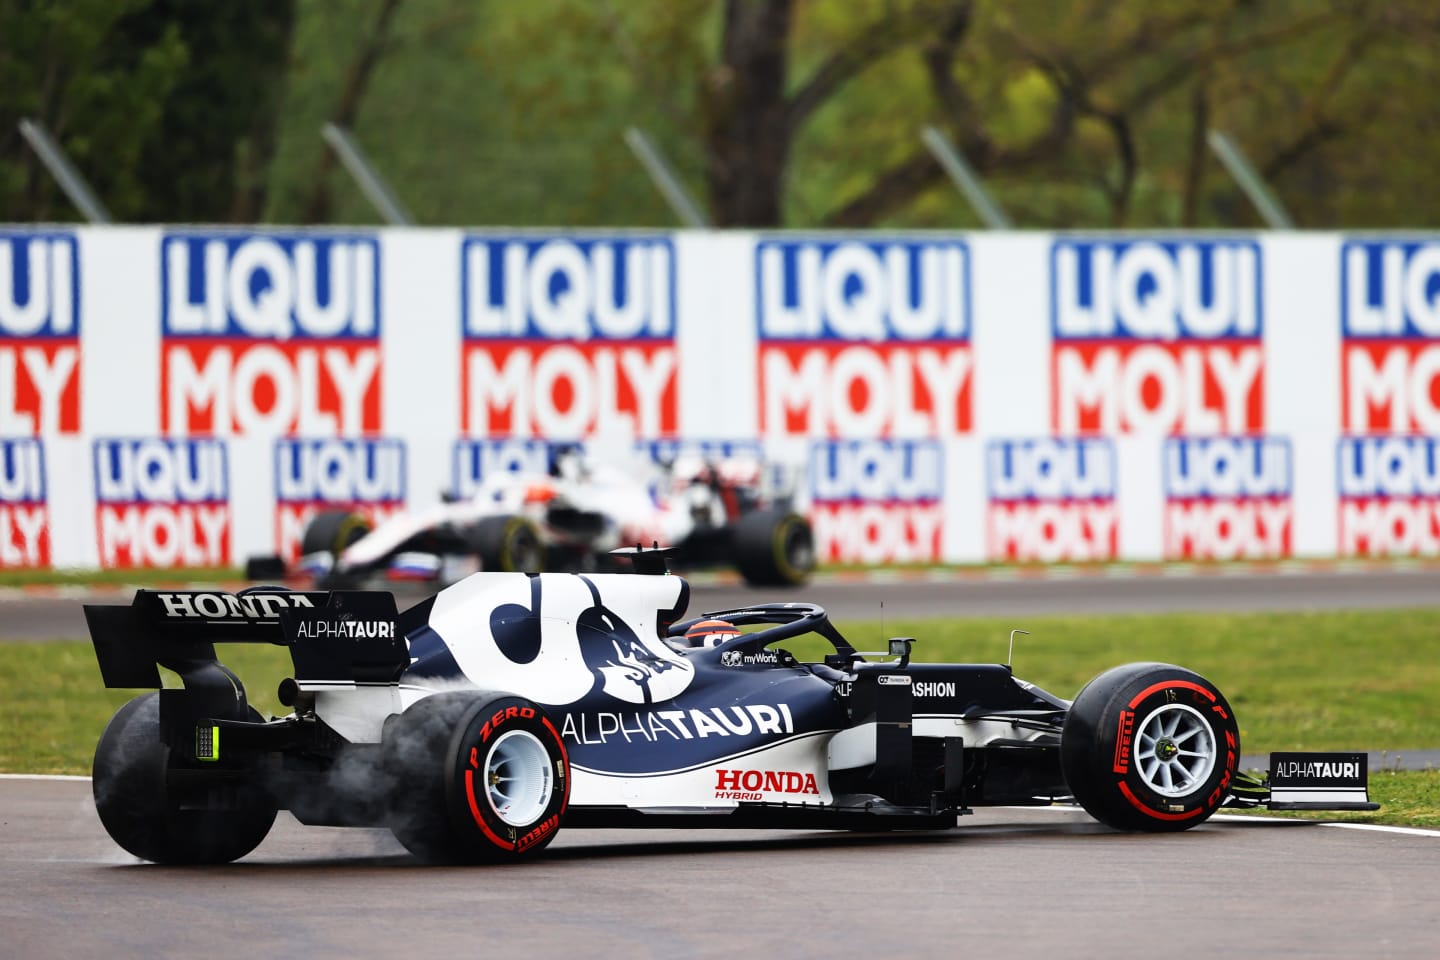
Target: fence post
(1270, 207)
(965, 179)
(376, 190)
(665, 180)
(53, 156)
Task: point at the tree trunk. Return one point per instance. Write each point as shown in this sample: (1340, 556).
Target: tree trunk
(744, 113)
(320, 205)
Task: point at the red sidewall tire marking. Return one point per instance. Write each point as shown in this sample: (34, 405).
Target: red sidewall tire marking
(1188, 685)
(1149, 812)
(475, 813)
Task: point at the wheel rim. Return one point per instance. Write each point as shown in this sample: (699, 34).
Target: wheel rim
(797, 549)
(1175, 750)
(524, 550)
(518, 778)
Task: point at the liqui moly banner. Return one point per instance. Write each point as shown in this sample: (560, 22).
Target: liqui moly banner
(473, 462)
(1051, 499)
(364, 476)
(566, 338)
(864, 338)
(1228, 498)
(270, 334)
(162, 502)
(1157, 336)
(24, 513)
(1389, 496)
(1390, 324)
(39, 333)
(877, 501)
(184, 396)
(1389, 398)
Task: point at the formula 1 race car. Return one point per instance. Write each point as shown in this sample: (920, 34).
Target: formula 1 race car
(712, 511)
(478, 723)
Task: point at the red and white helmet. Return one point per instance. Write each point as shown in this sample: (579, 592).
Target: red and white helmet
(711, 633)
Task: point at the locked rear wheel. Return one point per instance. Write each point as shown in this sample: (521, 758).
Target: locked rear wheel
(145, 816)
(1150, 746)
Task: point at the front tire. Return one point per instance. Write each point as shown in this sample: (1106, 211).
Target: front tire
(509, 543)
(141, 814)
(476, 778)
(774, 548)
(331, 531)
(1151, 747)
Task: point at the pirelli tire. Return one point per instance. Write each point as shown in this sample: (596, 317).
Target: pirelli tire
(774, 548)
(510, 544)
(475, 778)
(142, 814)
(1150, 747)
(331, 531)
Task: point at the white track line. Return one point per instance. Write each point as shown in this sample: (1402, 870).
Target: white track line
(1223, 816)
(1054, 808)
(40, 776)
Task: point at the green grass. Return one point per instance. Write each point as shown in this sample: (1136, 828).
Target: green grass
(86, 577)
(1321, 681)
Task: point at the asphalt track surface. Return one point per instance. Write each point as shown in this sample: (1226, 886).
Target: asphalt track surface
(1007, 882)
(1019, 883)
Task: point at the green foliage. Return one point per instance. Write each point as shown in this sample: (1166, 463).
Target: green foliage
(1085, 114)
(154, 101)
(59, 66)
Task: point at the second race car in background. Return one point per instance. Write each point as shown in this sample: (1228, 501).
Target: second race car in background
(728, 511)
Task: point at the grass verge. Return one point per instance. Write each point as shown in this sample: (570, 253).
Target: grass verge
(1323, 681)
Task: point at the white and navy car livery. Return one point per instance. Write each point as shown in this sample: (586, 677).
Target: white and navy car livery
(477, 722)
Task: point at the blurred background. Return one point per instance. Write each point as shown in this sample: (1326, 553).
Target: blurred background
(771, 113)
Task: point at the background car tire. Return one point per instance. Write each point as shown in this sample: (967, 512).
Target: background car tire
(331, 531)
(509, 544)
(136, 807)
(476, 778)
(774, 548)
(1151, 747)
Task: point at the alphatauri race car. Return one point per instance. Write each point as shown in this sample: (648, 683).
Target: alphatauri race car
(712, 511)
(478, 723)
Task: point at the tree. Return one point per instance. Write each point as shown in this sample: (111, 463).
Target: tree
(1091, 113)
(166, 106)
(60, 68)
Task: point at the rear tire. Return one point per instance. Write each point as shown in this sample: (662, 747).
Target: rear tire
(510, 544)
(1151, 747)
(476, 778)
(140, 814)
(774, 548)
(331, 531)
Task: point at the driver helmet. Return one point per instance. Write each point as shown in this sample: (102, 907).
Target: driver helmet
(710, 633)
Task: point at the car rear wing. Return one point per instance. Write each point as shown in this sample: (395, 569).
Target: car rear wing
(332, 635)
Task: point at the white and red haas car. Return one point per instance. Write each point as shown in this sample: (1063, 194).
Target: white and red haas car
(723, 511)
